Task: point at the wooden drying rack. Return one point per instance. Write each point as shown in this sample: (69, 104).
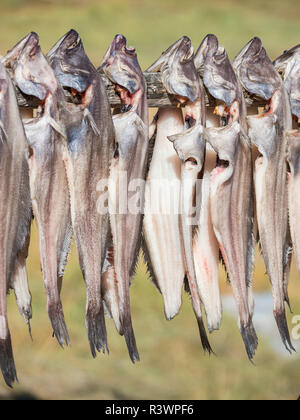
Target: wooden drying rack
(156, 94)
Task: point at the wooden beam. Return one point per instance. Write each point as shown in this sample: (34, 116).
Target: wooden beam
(156, 93)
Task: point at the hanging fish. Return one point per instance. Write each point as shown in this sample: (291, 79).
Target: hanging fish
(190, 147)
(15, 211)
(267, 132)
(162, 195)
(129, 166)
(88, 151)
(48, 182)
(288, 64)
(231, 187)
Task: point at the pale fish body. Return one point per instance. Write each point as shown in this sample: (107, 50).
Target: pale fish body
(161, 221)
(293, 142)
(15, 209)
(206, 251)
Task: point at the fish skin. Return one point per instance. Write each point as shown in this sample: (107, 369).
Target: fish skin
(161, 230)
(206, 251)
(232, 185)
(190, 148)
(19, 284)
(88, 152)
(293, 144)
(16, 211)
(48, 183)
(267, 132)
(288, 64)
(121, 66)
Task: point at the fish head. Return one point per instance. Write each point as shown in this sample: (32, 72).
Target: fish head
(32, 73)
(218, 75)
(179, 74)
(283, 63)
(288, 65)
(209, 45)
(120, 65)
(10, 59)
(70, 63)
(190, 148)
(256, 71)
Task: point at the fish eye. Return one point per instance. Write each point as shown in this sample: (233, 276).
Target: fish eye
(130, 50)
(75, 43)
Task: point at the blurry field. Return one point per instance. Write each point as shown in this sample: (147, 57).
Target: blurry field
(172, 363)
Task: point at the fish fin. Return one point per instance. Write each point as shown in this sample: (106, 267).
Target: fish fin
(130, 341)
(186, 285)
(57, 127)
(280, 318)
(57, 320)
(287, 260)
(221, 259)
(148, 262)
(203, 337)
(95, 323)
(3, 134)
(250, 339)
(153, 126)
(7, 363)
(90, 120)
(65, 251)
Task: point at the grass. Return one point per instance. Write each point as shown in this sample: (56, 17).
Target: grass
(172, 365)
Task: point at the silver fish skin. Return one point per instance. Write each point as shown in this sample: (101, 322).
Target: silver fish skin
(19, 284)
(48, 182)
(88, 151)
(231, 182)
(268, 132)
(162, 221)
(15, 211)
(121, 66)
(293, 144)
(288, 65)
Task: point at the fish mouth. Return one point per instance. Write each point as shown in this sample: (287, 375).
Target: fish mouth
(121, 66)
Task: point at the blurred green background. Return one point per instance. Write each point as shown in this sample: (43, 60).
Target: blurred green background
(172, 363)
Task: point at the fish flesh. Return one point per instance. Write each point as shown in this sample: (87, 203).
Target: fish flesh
(15, 211)
(288, 65)
(161, 220)
(231, 182)
(88, 151)
(48, 183)
(127, 172)
(162, 195)
(268, 132)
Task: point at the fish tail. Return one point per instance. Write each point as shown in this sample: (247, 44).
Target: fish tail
(250, 339)
(281, 321)
(203, 337)
(7, 363)
(95, 324)
(57, 320)
(130, 340)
